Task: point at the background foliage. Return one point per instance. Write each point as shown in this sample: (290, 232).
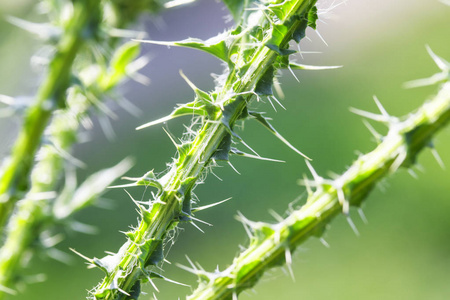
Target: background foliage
(403, 253)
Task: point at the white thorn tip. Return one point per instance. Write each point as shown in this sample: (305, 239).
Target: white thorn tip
(293, 74)
(234, 169)
(362, 216)
(380, 107)
(322, 240)
(190, 83)
(438, 158)
(353, 226)
(440, 62)
(275, 215)
(271, 103)
(153, 285)
(321, 37)
(210, 205)
(190, 270)
(372, 130)
(81, 255)
(316, 177)
(171, 137)
(196, 226)
(200, 221)
(369, 115)
(191, 262)
(159, 121)
(277, 101)
(413, 174)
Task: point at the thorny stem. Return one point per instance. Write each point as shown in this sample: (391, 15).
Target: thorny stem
(24, 229)
(51, 95)
(271, 244)
(33, 216)
(130, 263)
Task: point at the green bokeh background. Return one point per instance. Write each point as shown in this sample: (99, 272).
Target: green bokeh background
(404, 250)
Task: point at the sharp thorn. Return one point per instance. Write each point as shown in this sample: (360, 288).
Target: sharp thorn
(322, 240)
(362, 216)
(198, 220)
(412, 173)
(210, 205)
(316, 177)
(171, 137)
(352, 225)
(275, 215)
(369, 115)
(271, 103)
(440, 62)
(152, 283)
(173, 281)
(372, 130)
(81, 255)
(398, 161)
(321, 37)
(288, 257)
(276, 100)
(293, 74)
(380, 107)
(231, 165)
(190, 270)
(438, 158)
(196, 226)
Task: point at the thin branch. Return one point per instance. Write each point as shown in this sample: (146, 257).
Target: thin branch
(269, 242)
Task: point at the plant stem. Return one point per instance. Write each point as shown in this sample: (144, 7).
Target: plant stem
(23, 230)
(32, 216)
(51, 95)
(143, 249)
(271, 244)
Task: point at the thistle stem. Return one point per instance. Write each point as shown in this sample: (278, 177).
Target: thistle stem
(136, 256)
(271, 242)
(51, 95)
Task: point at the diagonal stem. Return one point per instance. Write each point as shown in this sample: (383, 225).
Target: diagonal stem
(133, 261)
(271, 244)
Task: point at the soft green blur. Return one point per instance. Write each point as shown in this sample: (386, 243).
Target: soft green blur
(404, 250)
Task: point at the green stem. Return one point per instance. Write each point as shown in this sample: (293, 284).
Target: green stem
(24, 230)
(32, 217)
(51, 95)
(133, 261)
(271, 244)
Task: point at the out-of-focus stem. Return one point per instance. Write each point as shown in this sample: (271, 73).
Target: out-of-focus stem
(15, 174)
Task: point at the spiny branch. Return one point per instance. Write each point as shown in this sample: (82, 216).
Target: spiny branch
(15, 174)
(271, 244)
(253, 51)
(42, 209)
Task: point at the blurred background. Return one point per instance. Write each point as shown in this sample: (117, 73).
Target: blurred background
(404, 250)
